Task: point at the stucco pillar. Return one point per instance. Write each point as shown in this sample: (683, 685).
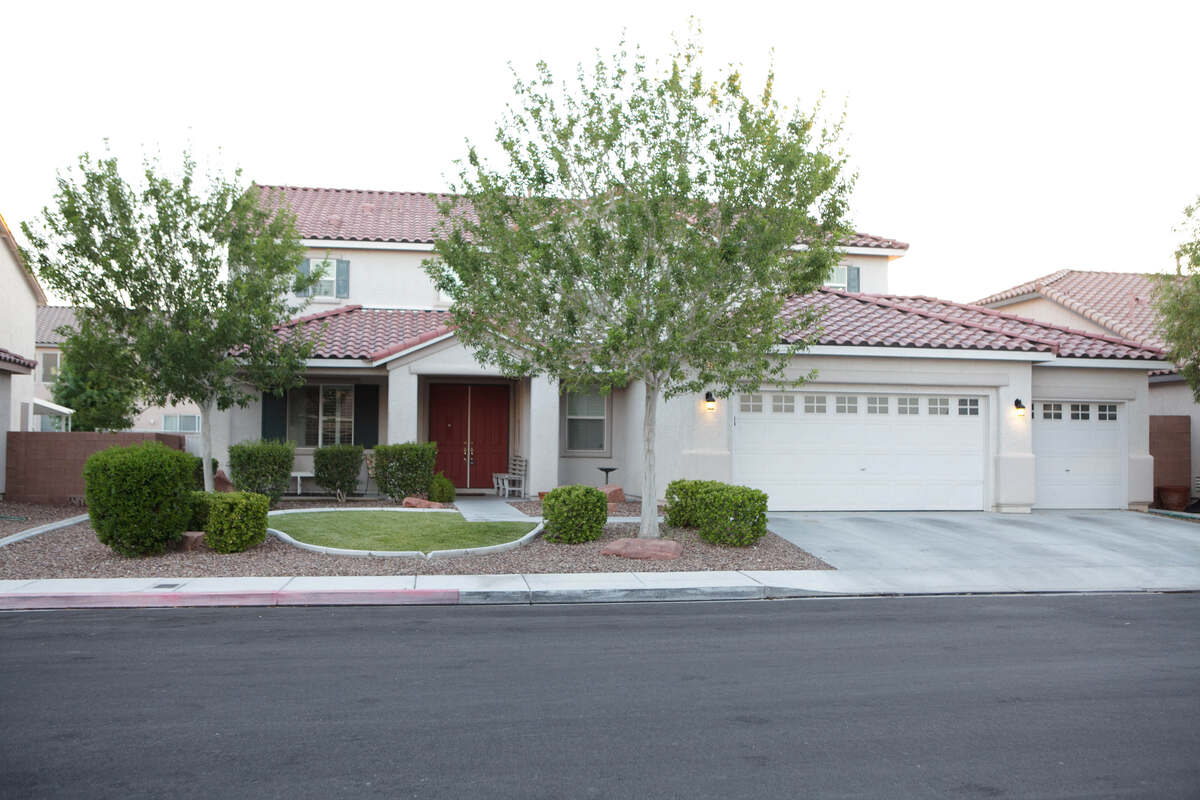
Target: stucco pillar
(1015, 483)
(543, 434)
(401, 405)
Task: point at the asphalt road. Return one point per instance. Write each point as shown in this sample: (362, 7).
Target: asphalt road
(1081, 696)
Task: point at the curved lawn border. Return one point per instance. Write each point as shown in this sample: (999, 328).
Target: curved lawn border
(46, 528)
(434, 554)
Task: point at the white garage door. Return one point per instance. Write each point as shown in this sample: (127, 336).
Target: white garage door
(1079, 449)
(881, 451)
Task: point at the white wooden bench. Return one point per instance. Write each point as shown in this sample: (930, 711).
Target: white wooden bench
(300, 476)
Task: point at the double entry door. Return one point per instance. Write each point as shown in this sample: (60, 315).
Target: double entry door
(469, 422)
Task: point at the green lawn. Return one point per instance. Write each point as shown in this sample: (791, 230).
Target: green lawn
(396, 530)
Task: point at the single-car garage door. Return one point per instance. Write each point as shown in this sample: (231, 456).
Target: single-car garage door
(1079, 449)
(879, 451)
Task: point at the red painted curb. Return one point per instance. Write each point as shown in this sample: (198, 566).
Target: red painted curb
(348, 597)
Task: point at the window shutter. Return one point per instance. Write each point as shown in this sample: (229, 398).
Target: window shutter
(366, 415)
(852, 283)
(303, 268)
(343, 278)
(274, 417)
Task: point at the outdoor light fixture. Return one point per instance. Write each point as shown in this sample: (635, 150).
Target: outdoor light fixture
(710, 402)
(1020, 407)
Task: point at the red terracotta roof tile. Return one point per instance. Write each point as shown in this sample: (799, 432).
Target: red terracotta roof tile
(367, 333)
(9, 357)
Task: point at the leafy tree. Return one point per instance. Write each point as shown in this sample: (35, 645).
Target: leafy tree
(192, 278)
(99, 377)
(1179, 302)
(643, 228)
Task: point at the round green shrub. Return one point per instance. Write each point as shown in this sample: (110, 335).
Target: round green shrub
(138, 497)
(574, 514)
(336, 468)
(237, 521)
(731, 515)
(263, 467)
(441, 489)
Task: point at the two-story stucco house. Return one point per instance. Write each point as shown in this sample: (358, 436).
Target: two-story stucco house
(20, 296)
(918, 403)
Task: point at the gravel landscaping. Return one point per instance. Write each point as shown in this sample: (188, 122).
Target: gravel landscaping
(74, 552)
(35, 514)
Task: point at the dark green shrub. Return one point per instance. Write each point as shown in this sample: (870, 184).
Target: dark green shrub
(684, 500)
(137, 497)
(731, 515)
(237, 521)
(262, 467)
(336, 468)
(441, 489)
(198, 474)
(574, 514)
(403, 470)
(200, 504)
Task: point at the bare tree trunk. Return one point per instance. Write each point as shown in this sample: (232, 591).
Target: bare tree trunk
(206, 443)
(649, 526)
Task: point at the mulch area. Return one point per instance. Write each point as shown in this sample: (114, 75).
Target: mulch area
(75, 552)
(33, 515)
(627, 509)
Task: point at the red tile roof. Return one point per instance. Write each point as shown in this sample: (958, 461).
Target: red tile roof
(1121, 302)
(9, 357)
(368, 333)
(50, 319)
(355, 215)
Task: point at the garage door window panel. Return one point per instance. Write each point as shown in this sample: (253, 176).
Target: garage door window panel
(1106, 412)
(847, 404)
(1052, 411)
(783, 403)
(877, 405)
(968, 407)
(908, 406)
(814, 404)
(1080, 411)
(939, 406)
(751, 404)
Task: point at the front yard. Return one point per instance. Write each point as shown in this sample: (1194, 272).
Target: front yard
(395, 530)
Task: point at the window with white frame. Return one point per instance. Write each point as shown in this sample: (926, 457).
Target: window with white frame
(587, 422)
(51, 363)
(877, 405)
(750, 403)
(846, 404)
(968, 407)
(181, 423)
(1051, 410)
(814, 404)
(908, 406)
(939, 406)
(1081, 411)
(320, 415)
(1106, 412)
(783, 403)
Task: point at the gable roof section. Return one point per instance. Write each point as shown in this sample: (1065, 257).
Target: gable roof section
(367, 333)
(355, 215)
(50, 319)
(867, 320)
(1122, 302)
(39, 296)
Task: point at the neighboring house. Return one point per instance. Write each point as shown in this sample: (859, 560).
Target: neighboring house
(20, 296)
(1112, 303)
(183, 418)
(918, 403)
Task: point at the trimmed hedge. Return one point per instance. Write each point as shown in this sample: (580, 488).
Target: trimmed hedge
(263, 467)
(404, 470)
(441, 489)
(138, 497)
(574, 514)
(199, 473)
(336, 468)
(201, 502)
(237, 521)
(722, 514)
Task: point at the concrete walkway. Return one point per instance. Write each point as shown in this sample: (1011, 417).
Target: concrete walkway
(488, 508)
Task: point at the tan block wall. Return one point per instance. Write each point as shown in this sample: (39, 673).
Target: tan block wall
(48, 467)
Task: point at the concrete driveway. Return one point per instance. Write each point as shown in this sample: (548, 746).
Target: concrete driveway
(946, 540)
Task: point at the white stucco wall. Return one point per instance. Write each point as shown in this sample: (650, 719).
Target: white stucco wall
(1175, 398)
(18, 323)
(1044, 310)
(380, 279)
(873, 272)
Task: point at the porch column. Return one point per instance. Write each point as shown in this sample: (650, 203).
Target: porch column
(543, 434)
(402, 405)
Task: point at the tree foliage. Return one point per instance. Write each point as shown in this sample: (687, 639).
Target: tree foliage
(1179, 302)
(642, 226)
(186, 274)
(98, 377)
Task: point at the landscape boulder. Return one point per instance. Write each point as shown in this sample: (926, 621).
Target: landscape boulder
(614, 493)
(420, 502)
(650, 549)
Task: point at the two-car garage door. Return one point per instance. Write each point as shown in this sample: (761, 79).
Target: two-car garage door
(888, 451)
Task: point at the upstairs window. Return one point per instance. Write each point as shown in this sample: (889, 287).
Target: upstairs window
(844, 277)
(51, 363)
(335, 280)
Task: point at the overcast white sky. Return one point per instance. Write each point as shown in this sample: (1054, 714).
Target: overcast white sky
(1002, 141)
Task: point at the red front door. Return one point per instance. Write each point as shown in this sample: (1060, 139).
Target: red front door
(469, 422)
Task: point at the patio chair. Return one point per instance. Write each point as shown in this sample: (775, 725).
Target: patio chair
(513, 481)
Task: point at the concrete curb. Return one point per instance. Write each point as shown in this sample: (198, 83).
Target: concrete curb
(49, 526)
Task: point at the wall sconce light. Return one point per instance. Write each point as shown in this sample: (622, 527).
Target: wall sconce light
(710, 402)
(1020, 408)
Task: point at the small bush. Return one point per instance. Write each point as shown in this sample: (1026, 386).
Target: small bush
(237, 521)
(137, 497)
(199, 474)
(336, 468)
(441, 489)
(574, 514)
(684, 498)
(201, 502)
(403, 470)
(732, 515)
(263, 467)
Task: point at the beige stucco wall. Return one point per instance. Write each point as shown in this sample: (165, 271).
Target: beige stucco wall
(1175, 398)
(1044, 310)
(18, 321)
